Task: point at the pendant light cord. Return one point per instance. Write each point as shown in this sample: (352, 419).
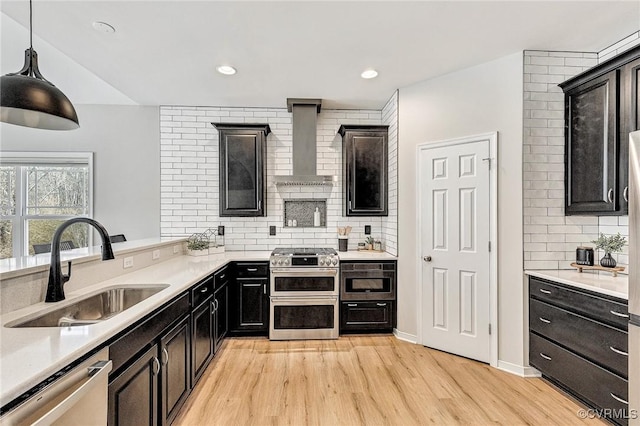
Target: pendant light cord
(31, 24)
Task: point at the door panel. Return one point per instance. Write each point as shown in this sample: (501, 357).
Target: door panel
(455, 216)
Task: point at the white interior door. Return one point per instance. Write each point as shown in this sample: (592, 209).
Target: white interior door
(454, 191)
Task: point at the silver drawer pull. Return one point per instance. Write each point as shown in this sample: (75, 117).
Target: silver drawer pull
(544, 320)
(548, 358)
(617, 398)
(610, 195)
(222, 276)
(542, 290)
(618, 314)
(204, 290)
(352, 305)
(625, 194)
(252, 269)
(618, 351)
(381, 304)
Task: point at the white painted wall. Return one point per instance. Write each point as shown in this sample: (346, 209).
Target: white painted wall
(126, 144)
(480, 99)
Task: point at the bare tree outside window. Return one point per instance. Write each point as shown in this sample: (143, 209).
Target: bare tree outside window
(36, 199)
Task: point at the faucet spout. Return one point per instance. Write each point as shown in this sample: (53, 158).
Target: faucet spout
(55, 287)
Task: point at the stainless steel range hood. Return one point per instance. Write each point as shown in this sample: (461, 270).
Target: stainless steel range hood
(305, 118)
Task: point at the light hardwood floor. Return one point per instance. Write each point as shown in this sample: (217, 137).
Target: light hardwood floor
(365, 380)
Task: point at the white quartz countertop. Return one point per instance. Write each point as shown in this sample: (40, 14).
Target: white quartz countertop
(365, 255)
(599, 282)
(30, 355)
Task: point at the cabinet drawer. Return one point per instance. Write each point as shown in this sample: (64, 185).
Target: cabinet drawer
(580, 377)
(597, 342)
(201, 292)
(596, 307)
(366, 315)
(221, 277)
(250, 269)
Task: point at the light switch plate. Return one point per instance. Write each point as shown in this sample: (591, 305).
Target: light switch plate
(367, 230)
(155, 255)
(272, 230)
(176, 249)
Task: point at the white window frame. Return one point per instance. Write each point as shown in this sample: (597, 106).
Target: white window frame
(23, 158)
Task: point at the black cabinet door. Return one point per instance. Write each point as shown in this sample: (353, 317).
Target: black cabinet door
(355, 316)
(133, 395)
(221, 318)
(629, 122)
(175, 378)
(253, 313)
(592, 146)
(202, 339)
(242, 150)
(365, 161)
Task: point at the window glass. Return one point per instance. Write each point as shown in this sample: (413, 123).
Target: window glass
(57, 190)
(7, 190)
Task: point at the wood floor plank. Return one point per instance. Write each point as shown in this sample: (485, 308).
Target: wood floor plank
(365, 380)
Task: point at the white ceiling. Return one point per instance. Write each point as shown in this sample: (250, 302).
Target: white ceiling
(166, 52)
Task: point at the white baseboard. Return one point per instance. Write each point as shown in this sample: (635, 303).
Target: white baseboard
(518, 370)
(405, 336)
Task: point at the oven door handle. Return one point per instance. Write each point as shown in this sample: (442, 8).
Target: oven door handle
(309, 299)
(311, 272)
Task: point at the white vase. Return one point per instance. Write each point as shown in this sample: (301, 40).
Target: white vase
(204, 252)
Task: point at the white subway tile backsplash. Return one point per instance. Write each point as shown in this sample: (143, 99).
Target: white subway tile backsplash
(189, 176)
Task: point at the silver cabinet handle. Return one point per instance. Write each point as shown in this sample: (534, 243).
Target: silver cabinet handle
(548, 358)
(259, 204)
(617, 398)
(264, 289)
(381, 304)
(618, 314)
(165, 356)
(96, 373)
(427, 258)
(610, 195)
(222, 276)
(544, 320)
(217, 304)
(618, 351)
(625, 194)
(252, 269)
(352, 305)
(542, 290)
(156, 365)
(204, 290)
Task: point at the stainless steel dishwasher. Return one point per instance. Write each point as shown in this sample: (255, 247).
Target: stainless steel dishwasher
(77, 397)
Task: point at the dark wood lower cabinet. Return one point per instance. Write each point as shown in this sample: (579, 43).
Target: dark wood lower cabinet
(133, 395)
(220, 315)
(579, 343)
(359, 316)
(249, 299)
(175, 371)
(201, 340)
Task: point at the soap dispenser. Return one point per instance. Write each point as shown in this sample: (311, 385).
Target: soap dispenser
(316, 217)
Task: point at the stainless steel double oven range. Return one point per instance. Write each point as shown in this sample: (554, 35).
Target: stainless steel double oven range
(304, 294)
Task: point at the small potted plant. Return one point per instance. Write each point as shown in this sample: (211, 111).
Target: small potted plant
(369, 242)
(609, 244)
(197, 245)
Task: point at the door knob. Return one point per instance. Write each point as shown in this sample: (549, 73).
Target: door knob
(427, 258)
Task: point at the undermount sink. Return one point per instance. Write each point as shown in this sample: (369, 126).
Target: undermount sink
(92, 309)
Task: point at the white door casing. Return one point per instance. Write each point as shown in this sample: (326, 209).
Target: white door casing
(457, 266)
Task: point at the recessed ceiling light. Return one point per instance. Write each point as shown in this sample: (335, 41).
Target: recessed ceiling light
(369, 74)
(103, 27)
(226, 69)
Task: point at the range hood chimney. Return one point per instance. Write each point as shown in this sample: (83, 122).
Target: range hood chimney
(305, 118)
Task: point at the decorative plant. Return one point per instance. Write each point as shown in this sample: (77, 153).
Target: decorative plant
(610, 243)
(197, 242)
(369, 240)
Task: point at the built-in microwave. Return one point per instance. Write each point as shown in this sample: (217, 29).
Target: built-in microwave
(367, 281)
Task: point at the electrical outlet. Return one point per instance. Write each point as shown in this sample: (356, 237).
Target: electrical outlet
(367, 230)
(176, 249)
(155, 255)
(128, 262)
(221, 230)
(272, 230)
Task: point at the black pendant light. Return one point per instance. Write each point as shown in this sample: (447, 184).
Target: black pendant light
(27, 99)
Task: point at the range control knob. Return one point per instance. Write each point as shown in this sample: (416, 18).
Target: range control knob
(322, 261)
(334, 261)
(286, 262)
(273, 261)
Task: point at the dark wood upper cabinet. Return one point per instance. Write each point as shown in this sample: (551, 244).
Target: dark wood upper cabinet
(242, 150)
(365, 161)
(601, 109)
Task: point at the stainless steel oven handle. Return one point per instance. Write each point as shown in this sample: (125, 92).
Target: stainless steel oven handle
(252, 269)
(95, 373)
(308, 272)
